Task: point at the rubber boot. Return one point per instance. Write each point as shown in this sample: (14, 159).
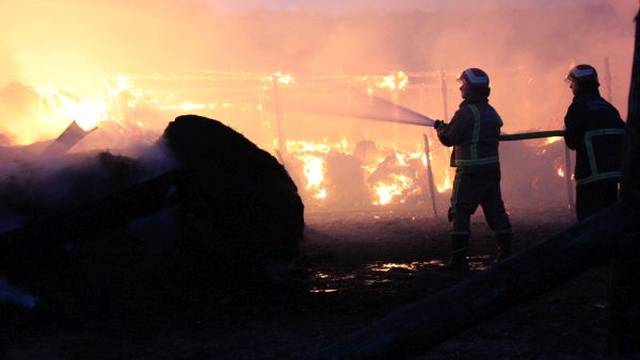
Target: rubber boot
(458, 262)
(504, 245)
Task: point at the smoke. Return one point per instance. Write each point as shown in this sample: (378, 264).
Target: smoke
(7, 67)
(174, 52)
(526, 47)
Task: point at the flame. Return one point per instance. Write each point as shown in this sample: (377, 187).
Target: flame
(395, 188)
(404, 158)
(313, 164)
(397, 81)
(386, 192)
(118, 96)
(65, 107)
(446, 184)
(314, 170)
(301, 146)
(62, 105)
(552, 140)
(312, 155)
(282, 78)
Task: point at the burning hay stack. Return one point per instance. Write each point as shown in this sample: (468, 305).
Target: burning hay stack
(227, 212)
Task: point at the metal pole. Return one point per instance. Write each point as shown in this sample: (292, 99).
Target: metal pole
(443, 89)
(607, 79)
(567, 177)
(432, 192)
(281, 140)
(427, 153)
(395, 99)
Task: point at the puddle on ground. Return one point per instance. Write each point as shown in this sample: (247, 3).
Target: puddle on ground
(327, 282)
(408, 266)
(479, 262)
(383, 273)
(319, 275)
(376, 282)
(322, 291)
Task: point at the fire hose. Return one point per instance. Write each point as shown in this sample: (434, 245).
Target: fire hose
(531, 135)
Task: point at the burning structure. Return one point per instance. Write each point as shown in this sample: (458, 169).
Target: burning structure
(329, 156)
(251, 96)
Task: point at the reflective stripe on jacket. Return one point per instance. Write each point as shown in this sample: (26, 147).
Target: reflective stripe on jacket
(593, 159)
(473, 132)
(594, 129)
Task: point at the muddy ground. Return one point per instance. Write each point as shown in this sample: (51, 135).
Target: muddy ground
(359, 267)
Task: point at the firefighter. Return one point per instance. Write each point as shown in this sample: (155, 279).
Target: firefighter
(594, 129)
(473, 132)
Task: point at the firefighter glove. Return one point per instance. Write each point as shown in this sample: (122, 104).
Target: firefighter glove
(438, 124)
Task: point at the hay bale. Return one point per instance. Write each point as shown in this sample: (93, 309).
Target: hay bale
(239, 207)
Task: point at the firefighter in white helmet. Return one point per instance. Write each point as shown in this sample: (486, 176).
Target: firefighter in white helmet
(594, 129)
(473, 132)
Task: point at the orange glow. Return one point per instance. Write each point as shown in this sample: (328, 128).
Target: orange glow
(282, 79)
(397, 81)
(86, 112)
(301, 146)
(552, 140)
(58, 106)
(101, 63)
(386, 192)
(314, 171)
(312, 155)
(401, 171)
(404, 158)
(446, 183)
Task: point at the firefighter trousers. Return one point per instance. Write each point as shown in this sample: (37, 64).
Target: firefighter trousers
(595, 196)
(472, 189)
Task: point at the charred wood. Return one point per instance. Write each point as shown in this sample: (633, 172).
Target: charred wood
(67, 139)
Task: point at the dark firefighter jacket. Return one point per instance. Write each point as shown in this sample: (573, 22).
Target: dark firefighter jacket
(473, 132)
(594, 129)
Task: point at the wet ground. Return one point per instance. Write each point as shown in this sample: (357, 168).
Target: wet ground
(359, 266)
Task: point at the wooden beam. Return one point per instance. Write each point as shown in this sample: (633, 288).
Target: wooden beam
(67, 139)
(432, 192)
(568, 172)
